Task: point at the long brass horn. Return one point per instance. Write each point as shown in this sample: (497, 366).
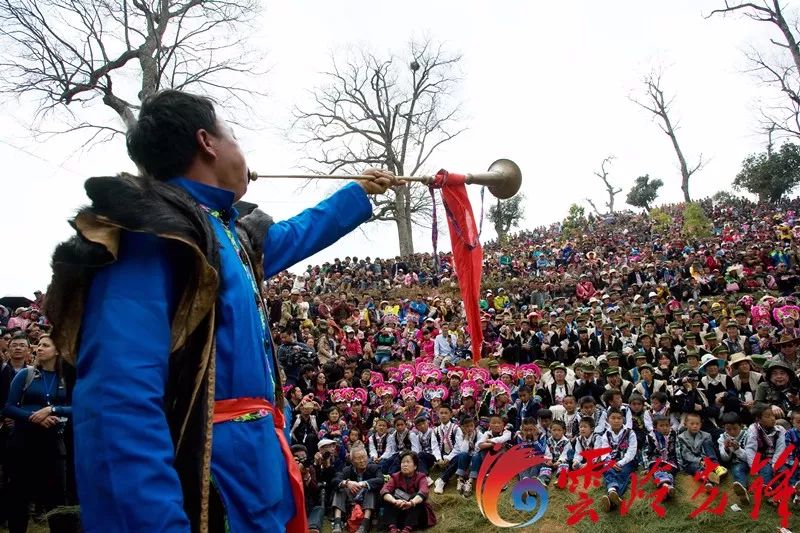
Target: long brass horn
(503, 178)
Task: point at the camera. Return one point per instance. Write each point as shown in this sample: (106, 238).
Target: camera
(326, 455)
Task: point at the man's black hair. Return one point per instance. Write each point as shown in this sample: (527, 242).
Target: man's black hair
(20, 335)
(163, 142)
(298, 448)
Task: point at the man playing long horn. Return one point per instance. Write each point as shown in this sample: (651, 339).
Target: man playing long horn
(177, 404)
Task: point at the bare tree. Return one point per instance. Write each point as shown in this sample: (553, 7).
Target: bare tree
(71, 53)
(781, 71)
(594, 207)
(656, 103)
(612, 192)
(393, 112)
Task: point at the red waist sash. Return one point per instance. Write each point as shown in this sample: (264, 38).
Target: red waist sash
(227, 410)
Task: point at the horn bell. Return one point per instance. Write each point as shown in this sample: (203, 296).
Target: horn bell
(503, 178)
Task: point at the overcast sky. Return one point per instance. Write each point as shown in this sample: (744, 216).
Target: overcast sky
(545, 84)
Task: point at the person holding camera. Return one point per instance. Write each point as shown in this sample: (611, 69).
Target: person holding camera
(293, 356)
(312, 489)
(304, 427)
(291, 312)
(358, 484)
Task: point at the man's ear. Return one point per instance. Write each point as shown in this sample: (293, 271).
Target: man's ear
(206, 144)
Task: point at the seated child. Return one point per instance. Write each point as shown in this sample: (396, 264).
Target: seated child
(659, 405)
(497, 434)
(587, 439)
(570, 416)
(467, 449)
(733, 456)
(447, 434)
(695, 445)
(545, 417)
(354, 441)
(401, 441)
(557, 453)
(529, 437)
(381, 448)
(766, 439)
(425, 445)
(613, 399)
(526, 405)
(622, 442)
(334, 428)
(662, 447)
(640, 419)
(588, 408)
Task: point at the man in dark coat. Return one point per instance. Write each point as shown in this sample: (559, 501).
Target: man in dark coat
(358, 483)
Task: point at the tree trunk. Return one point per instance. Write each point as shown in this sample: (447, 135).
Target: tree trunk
(498, 224)
(685, 174)
(405, 235)
(685, 188)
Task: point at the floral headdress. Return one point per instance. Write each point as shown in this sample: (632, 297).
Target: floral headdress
(477, 373)
(470, 389)
(407, 373)
(416, 392)
(790, 311)
(456, 371)
(435, 391)
(342, 395)
(497, 388)
(360, 395)
(508, 370)
(429, 371)
(760, 314)
(382, 389)
(531, 369)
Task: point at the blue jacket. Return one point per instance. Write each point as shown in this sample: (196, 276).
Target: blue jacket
(123, 447)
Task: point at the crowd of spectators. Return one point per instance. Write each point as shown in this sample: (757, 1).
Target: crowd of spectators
(620, 331)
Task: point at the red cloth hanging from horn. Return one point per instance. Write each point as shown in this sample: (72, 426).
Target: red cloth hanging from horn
(467, 251)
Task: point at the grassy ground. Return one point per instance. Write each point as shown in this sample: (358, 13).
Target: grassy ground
(457, 514)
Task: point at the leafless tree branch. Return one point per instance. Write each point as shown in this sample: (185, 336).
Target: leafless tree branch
(781, 72)
(659, 106)
(67, 52)
(393, 112)
(610, 189)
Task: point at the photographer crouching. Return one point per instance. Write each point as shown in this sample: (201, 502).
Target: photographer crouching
(313, 489)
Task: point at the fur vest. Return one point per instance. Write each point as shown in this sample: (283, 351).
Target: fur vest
(130, 203)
